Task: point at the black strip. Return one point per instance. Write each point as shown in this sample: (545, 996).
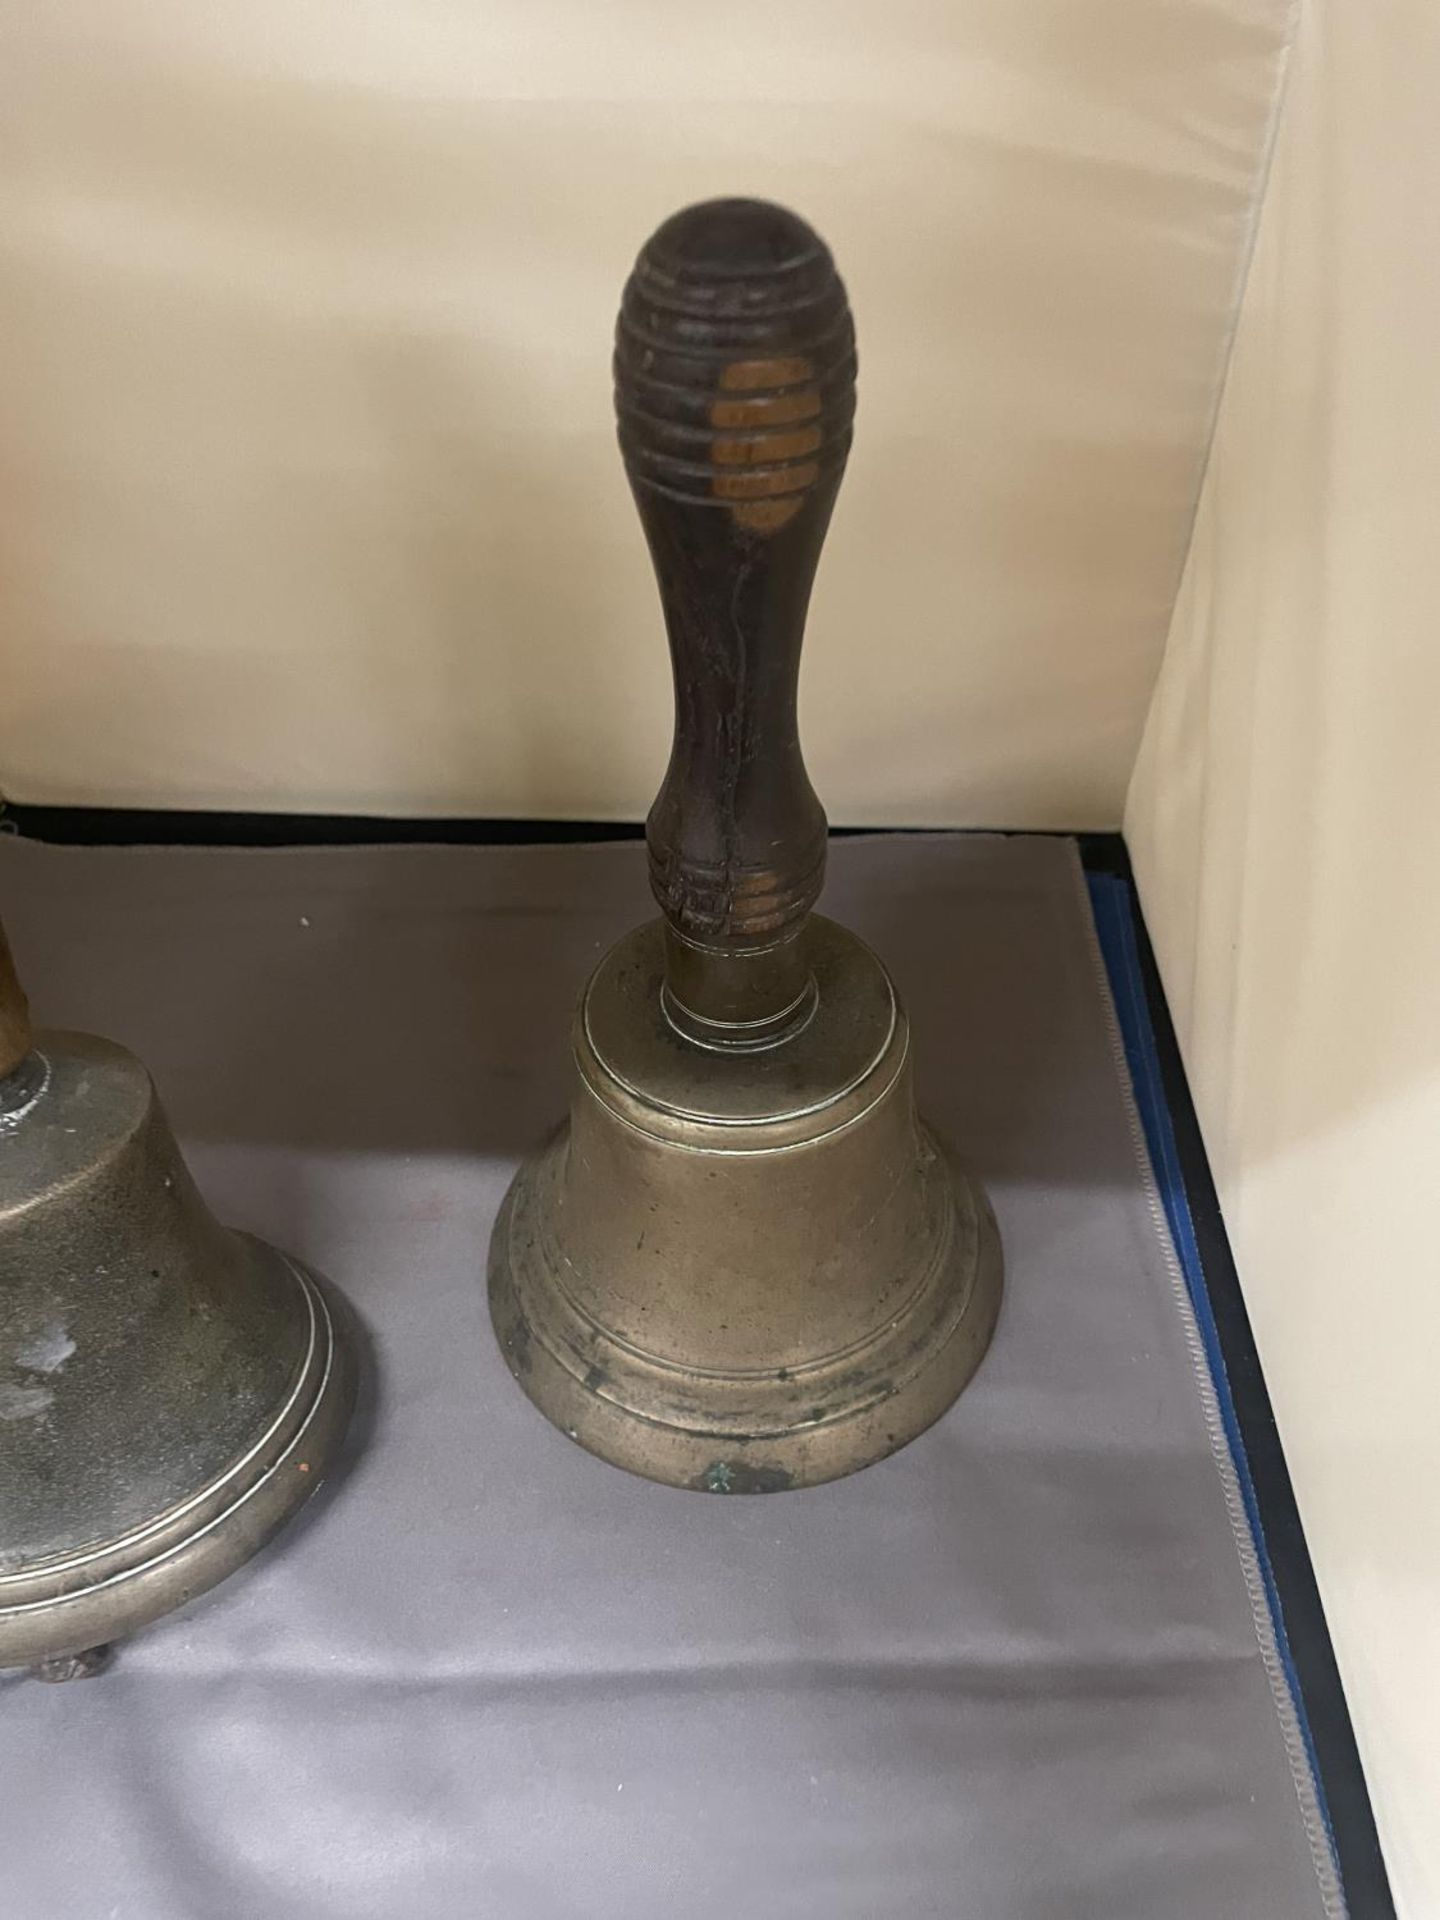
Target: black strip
(1362, 1866)
(167, 827)
(145, 826)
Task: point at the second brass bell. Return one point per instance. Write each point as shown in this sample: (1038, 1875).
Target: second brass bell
(171, 1392)
(744, 1264)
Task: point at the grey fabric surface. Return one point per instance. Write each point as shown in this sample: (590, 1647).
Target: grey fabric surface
(1016, 1672)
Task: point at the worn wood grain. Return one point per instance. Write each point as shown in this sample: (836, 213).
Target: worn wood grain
(735, 396)
(14, 1013)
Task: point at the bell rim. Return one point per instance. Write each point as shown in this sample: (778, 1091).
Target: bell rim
(808, 1454)
(209, 1535)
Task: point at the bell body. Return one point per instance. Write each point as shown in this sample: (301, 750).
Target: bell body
(744, 1271)
(170, 1391)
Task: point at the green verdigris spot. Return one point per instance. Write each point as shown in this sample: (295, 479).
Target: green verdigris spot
(726, 1476)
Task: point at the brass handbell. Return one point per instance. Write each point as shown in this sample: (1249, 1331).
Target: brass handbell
(743, 1264)
(170, 1392)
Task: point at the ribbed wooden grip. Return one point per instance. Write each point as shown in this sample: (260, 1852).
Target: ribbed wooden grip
(14, 1014)
(735, 394)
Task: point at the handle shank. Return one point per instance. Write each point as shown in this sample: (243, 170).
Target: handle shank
(735, 397)
(15, 1033)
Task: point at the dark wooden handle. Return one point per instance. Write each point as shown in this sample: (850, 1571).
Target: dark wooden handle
(735, 394)
(14, 1014)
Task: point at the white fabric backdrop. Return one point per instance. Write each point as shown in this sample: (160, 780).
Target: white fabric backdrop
(1285, 827)
(310, 495)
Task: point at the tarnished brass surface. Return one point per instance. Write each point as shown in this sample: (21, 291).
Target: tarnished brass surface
(170, 1392)
(748, 1271)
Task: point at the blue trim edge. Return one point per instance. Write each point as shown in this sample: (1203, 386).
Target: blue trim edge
(1111, 904)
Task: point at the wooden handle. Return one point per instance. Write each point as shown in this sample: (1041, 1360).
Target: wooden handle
(735, 395)
(15, 1034)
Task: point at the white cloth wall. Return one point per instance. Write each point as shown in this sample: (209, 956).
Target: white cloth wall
(310, 493)
(1285, 827)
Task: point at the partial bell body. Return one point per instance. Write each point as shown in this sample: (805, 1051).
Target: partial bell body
(743, 1264)
(170, 1391)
